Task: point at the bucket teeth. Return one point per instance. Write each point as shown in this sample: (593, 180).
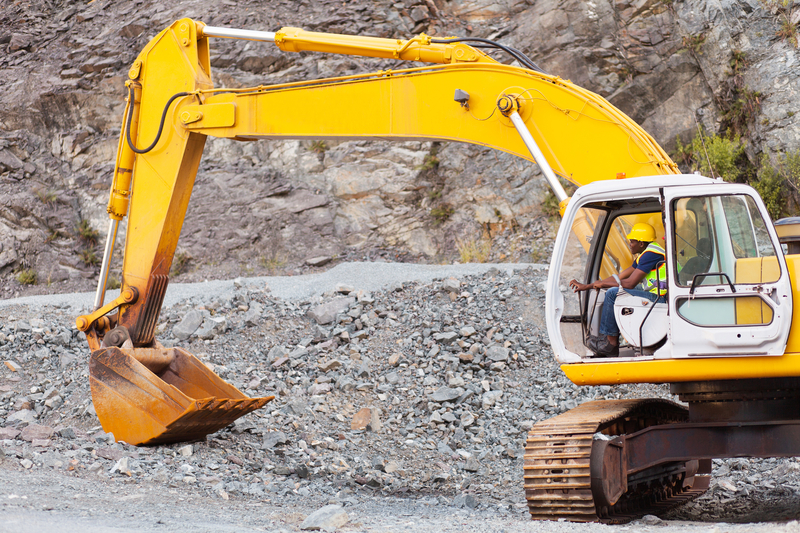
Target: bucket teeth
(184, 401)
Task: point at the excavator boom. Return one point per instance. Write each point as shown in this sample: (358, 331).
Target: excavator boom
(173, 106)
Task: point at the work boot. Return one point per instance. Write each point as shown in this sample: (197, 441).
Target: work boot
(591, 342)
(602, 348)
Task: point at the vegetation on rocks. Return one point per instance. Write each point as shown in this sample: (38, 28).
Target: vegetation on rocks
(714, 156)
(474, 250)
(777, 180)
(26, 276)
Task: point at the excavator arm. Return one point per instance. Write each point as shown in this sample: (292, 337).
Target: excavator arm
(173, 106)
(461, 95)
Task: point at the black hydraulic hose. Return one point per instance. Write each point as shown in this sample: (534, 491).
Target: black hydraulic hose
(160, 126)
(516, 54)
(533, 65)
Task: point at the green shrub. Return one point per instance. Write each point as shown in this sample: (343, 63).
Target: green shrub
(429, 163)
(550, 202)
(770, 186)
(787, 30)
(113, 282)
(693, 42)
(27, 276)
(86, 233)
(725, 156)
(318, 147)
(89, 258)
(442, 212)
(778, 184)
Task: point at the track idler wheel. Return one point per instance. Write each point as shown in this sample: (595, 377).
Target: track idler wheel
(609, 476)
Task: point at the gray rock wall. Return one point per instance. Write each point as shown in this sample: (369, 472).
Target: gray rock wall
(268, 207)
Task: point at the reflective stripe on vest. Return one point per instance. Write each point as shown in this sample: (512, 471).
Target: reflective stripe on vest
(656, 280)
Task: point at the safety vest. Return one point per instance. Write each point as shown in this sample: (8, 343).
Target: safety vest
(656, 280)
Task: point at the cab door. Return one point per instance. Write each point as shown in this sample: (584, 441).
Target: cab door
(729, 288)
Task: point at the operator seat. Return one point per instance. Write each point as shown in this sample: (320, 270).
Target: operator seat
(632, 311)
(697, 264)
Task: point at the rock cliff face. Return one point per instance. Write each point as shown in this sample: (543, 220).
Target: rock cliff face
(293, 205)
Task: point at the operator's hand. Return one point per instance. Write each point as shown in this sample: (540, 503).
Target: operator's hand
(579, 287)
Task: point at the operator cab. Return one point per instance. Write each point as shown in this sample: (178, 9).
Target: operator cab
(728, 289)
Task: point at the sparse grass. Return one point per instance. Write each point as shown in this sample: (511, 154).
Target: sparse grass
(742, 110)
(782, 9)
(318, 147)
(86, 232)
(180, 263)
(47, 196)
(442, 212)
(52, 235)
(89, 257)
(273, 264)
(787, 30)
(541, 250)
(113, 282)
(739, 104)
(693, 43)
(434, 194)
(473, 250)
(27, 276)
(429, 163)
(550, 203)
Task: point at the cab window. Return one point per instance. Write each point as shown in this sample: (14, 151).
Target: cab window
(722, 240)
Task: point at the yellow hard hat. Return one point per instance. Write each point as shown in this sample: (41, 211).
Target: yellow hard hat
(642, 232)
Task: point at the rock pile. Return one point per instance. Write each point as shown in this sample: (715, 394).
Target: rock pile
(419, 390)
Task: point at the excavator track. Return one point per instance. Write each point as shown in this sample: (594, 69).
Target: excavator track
(558, 469)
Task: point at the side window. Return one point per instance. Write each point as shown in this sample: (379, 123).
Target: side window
(722, 234)
(587, 222)
(585, 230)
(750, 237)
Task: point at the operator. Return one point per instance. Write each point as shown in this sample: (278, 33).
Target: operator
(646, 269)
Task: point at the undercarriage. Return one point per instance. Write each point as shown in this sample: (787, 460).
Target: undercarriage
(615, 461)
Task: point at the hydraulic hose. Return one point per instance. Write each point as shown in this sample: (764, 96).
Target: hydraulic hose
(160, 126)
(513, 52)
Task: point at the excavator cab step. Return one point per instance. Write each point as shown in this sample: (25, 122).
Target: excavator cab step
(147, 396)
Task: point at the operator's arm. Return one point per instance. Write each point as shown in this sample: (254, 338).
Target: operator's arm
(608, 282)
(632, 279)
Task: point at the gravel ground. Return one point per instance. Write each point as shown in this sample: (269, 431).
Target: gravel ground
(403, 399)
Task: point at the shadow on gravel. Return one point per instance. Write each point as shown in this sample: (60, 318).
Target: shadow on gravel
(767, 506)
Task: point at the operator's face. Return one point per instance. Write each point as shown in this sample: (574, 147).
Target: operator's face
(637, 247)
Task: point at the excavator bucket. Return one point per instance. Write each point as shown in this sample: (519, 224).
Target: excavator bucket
(159, 396)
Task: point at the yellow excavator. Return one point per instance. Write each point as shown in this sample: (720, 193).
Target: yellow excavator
(722, 337)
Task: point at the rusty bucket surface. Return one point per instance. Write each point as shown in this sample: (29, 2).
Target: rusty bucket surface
(158, 396)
